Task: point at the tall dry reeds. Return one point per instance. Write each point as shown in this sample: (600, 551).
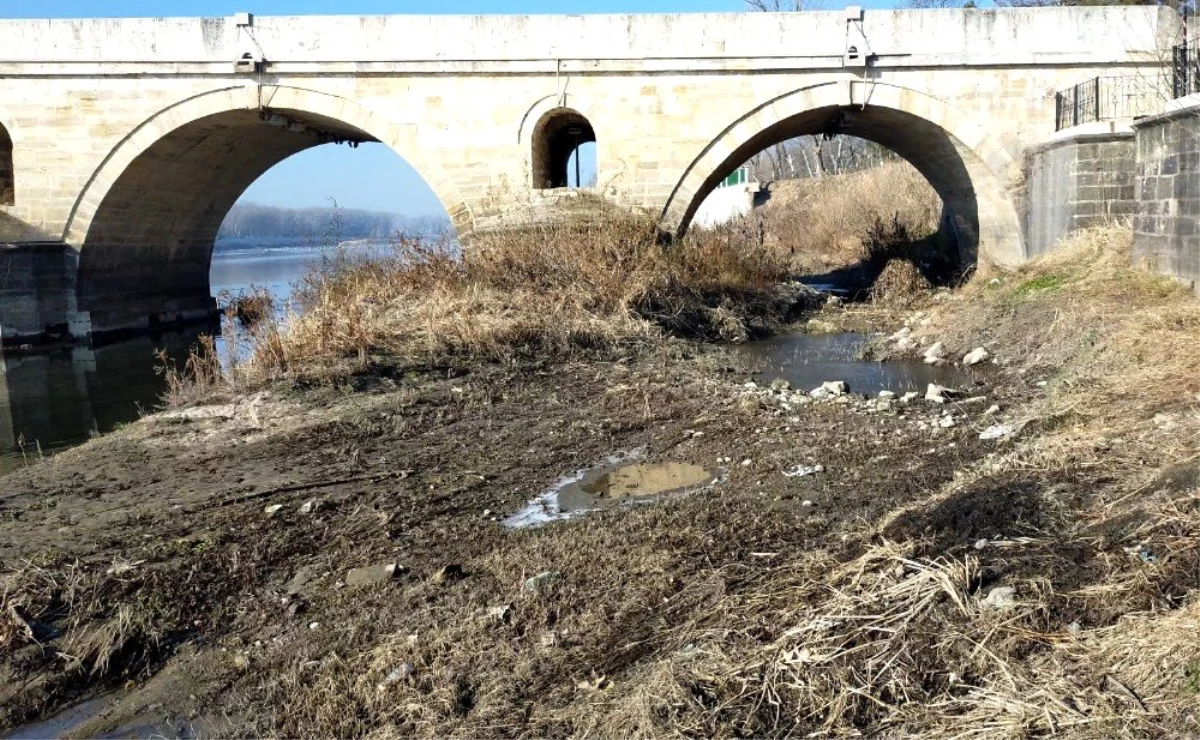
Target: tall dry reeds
(831, 222)
(545, 292)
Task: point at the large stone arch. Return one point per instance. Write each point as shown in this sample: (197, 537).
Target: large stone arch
(953, 149)
(146, 221)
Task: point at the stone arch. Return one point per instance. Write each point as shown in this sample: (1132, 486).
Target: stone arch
(8, 172)
(146, 221)
(952, 150)
(558, 134)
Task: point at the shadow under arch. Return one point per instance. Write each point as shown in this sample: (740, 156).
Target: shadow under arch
(949, 149)
(147, 220)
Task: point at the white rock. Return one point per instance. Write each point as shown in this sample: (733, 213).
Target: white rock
(273, 509)
(906, 344)
(934, 354)
(806, 503)
(998, 431)
(975, 356)
(746, 463)
(992, 410)
(887, 394)
(799, 471)
(780, 384)
(1001, 597)
(980, 544)
(909, 397)
(946, 422)
(901, 334)
(829, 389)
(938, 393)
(310, 506)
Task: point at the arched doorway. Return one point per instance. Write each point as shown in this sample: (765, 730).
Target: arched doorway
(564, 152)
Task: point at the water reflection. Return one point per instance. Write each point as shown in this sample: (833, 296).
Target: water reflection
(52, 400)
(56, 399)
(808, 360)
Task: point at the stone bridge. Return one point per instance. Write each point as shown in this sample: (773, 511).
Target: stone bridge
(123, 143)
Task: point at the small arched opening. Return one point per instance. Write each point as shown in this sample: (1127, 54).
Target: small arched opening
(564, 150)
(8, 183)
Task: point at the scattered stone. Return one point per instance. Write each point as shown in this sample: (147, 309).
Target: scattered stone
(935, 354)
(402, 672)
(975, 356)
(1001, 597)
(300, 581)
(998, 431)
(829, 389)
(781, 384)
(939, 393)
(799, 471)
(373, 574)
(448, 574)
(542, 580)
(273, 509)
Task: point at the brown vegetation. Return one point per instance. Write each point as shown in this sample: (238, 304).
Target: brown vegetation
(546, 293)
(833, 222)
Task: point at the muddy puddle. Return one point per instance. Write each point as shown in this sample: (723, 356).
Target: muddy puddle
(620, 479)
(808, 360)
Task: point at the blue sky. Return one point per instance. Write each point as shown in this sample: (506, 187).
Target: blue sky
(371, 176)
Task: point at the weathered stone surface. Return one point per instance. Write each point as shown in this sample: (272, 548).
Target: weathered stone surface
(130, 138)
(373, 574)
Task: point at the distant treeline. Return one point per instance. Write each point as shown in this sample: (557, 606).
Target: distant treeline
(250, 221)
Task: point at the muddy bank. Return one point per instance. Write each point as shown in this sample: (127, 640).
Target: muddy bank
(338, 562)
(216, 540)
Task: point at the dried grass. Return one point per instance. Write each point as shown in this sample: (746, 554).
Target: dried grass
(832, 222)
(542, 293)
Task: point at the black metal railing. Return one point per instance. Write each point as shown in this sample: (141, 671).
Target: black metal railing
(1185, 68)
(1107, 99)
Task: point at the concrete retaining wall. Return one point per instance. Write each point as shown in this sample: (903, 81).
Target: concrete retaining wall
(1077, 181)
(1167, 225)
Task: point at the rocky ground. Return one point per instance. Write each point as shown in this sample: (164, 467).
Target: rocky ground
(335, 561)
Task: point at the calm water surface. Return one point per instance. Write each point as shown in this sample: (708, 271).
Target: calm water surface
(57, 399)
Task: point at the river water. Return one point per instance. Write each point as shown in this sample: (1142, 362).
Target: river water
(56, 399)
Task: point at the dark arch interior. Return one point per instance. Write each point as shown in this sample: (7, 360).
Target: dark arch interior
(147, 252)
(8, 184)
(926, 146)
(557, 136)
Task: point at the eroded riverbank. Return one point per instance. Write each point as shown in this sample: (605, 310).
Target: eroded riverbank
(335, 560)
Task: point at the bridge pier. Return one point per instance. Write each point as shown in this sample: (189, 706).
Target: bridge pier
(46, 300)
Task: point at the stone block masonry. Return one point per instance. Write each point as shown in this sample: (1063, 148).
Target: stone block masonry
(130, 139)
(1077, 181)
(1167, 225)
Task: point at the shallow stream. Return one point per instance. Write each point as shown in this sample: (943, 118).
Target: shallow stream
(808, 360)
